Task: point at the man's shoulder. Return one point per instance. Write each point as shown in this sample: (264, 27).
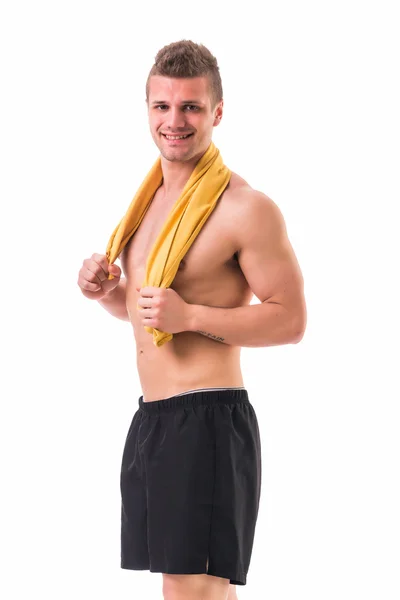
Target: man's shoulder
(244, 197)
(237, 185)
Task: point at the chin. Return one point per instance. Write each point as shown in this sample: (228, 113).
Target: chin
(177, 154)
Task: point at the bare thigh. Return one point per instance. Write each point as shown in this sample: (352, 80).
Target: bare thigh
(195, 587)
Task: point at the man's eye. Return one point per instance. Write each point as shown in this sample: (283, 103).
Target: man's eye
(193, 107)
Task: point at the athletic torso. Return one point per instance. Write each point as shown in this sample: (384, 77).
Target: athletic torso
(208, 274)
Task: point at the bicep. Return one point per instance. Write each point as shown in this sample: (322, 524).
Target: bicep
(266, 256)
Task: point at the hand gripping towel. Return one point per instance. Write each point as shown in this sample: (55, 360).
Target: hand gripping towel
(198, 199)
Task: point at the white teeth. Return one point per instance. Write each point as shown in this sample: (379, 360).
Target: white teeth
(177, 137)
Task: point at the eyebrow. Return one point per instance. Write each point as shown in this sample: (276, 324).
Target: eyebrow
(183, 102)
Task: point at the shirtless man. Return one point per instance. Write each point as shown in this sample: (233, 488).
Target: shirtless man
(243, 249)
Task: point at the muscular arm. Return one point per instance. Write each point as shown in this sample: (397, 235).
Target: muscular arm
(265, 324)
(269, 264)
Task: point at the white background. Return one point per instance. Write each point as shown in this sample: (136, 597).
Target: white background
(312, 120)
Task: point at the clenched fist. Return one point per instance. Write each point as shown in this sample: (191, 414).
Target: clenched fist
(93, 277)
(163, 309)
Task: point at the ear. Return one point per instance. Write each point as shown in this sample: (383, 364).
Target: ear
(218, 113)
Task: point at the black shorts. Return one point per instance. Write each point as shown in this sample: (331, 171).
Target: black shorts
(190, 485)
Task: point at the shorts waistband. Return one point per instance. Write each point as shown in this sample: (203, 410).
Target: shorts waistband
(195, 398)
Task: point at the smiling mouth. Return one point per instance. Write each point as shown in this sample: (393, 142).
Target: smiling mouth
(173, 138)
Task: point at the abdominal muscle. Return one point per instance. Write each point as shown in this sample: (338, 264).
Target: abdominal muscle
(188, 362)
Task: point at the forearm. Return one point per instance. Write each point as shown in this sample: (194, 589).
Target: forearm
(115, 302)
(256, 325)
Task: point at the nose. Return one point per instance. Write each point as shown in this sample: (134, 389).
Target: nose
(176, 119)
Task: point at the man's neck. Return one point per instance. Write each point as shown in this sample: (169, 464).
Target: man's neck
(176, 175)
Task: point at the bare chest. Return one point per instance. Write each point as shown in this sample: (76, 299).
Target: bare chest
(209, 262)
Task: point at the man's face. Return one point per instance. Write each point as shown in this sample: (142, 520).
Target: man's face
(181, 107)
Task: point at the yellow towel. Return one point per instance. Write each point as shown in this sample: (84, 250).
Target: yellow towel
(199, 197)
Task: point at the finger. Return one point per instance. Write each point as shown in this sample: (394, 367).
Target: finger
(148, 291)
(145, 302)
(146, 313)
(88, 281)
(149, 323)
(96, 268)
(90, 287)
(115, 270)
(102, 261)
(87, 275)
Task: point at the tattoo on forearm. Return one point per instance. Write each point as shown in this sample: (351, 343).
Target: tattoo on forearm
(210, 335)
